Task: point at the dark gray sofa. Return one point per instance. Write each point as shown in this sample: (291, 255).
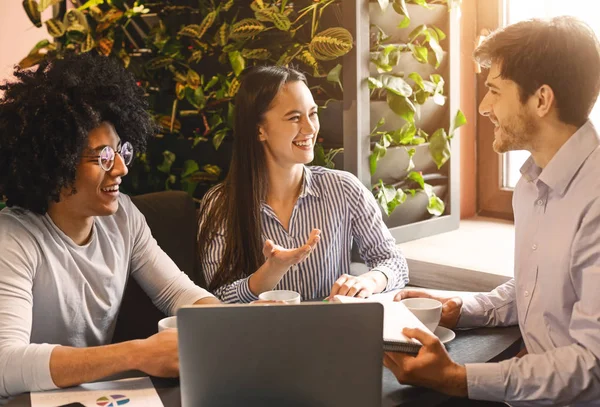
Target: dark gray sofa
(171, 216)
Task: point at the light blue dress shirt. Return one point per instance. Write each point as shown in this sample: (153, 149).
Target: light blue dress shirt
(344, 210)
(555, 295)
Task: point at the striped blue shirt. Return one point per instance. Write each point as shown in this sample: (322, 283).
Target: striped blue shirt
(345, 211)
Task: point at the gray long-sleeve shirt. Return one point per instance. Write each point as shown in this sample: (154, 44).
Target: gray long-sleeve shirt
(54, 292)
(554, 296)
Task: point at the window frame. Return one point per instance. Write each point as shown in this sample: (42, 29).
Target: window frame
(493, 199)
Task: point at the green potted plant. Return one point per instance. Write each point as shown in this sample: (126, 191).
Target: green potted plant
(411, 140)
(188, 55)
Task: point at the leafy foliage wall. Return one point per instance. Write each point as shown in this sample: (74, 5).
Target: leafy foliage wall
(188, 55)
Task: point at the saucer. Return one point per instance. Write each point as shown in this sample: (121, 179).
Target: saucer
(445, 335)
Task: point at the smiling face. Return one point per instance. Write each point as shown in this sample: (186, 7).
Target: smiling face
(515, 122)
(97, 190)
(290, 126)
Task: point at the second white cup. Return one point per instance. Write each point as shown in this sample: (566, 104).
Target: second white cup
(429, 311)
(287, 296)
(167, 323)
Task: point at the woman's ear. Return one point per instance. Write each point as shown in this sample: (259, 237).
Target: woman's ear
(261, 134)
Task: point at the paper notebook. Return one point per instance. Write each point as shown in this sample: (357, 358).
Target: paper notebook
(395, 317)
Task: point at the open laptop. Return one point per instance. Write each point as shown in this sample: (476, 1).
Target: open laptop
(312, 354)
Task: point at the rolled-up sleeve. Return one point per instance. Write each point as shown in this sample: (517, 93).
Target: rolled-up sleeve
(376, 245)
(496, 308)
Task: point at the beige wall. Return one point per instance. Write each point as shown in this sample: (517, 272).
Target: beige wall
(17, 35)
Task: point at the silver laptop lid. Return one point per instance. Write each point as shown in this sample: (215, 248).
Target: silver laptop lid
(281, 355)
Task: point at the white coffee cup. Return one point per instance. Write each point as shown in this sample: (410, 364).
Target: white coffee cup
(287, 296)
(429, 311)
(167, 323)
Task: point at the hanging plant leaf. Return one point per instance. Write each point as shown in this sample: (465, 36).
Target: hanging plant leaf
(88, 4)
(33, 12)
(272, 14)
(227, 5)
(405, 22)
(388, 197)
(44, 4)
(88, 45)
(37, 54)
(383, 4)
(223, 34)
(459, 120)
(196, 56)
(125, 57)
(237, 62)
(206, 23)
(438, 52)
(76, 19)
(168, 160)
(411, 153)
(331, 43)
(307, 58)
(55, 27)
(246, 28)
(76, 32)
(402, 106)
(400, 7)
(180, 90)
(165, 123)
(397, 85)
(218, 138)
(257, 5)
(257, 53)
(193, 79)
(111, 17)
(105, 46)
(192, 30)
(417, 177)
(159, 62)
(335, 76)
(435, 206)
(439, 147)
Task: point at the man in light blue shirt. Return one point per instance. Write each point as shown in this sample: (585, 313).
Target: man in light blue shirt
(544, 78)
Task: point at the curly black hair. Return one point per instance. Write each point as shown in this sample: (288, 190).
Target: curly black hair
(47, 114)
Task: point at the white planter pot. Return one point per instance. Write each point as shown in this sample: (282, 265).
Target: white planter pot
(388, 20)
(414, 209)
(392, 167)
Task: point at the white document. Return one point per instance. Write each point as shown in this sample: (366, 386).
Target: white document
(395, 318)
(135, 392)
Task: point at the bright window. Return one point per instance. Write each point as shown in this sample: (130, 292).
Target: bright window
(518, 10)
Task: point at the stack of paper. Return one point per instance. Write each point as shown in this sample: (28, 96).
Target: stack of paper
(395, 318)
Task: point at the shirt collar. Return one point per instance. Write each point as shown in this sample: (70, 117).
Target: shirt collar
(562, 168)
(308, 184)
(308, 187)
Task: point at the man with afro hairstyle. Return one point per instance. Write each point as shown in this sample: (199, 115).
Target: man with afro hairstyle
(68, 239)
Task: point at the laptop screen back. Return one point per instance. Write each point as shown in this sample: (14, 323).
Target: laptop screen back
(281, 355)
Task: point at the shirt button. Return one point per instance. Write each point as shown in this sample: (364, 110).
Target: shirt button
(534, 246)
(540, 202)
(526, 293)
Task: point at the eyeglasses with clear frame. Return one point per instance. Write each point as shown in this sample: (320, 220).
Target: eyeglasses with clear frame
(106, 157)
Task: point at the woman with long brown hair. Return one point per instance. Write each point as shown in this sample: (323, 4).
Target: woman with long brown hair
(258, 228)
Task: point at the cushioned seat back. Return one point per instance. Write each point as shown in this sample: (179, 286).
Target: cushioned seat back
(171, 216)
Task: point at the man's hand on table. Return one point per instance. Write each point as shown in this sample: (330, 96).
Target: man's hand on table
(451, 306)
(432, 367)
(158, 355)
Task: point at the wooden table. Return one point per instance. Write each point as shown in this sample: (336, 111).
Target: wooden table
(476, 345)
